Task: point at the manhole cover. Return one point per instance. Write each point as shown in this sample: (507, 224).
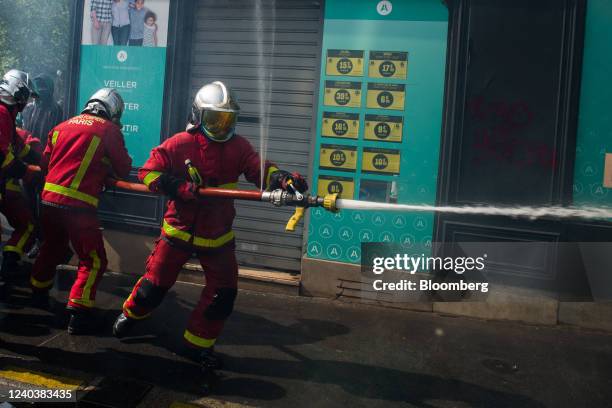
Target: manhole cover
(116, 393)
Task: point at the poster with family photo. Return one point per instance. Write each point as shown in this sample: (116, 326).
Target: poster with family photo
(126, 22)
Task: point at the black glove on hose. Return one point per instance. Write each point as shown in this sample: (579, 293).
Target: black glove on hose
(177, 188)
(279, 179)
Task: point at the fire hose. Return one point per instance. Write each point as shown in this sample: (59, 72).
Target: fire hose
(278, 198)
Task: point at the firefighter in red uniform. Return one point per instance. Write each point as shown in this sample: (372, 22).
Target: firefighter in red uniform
(80, 154)
(207, 154)
(16, 208)
(15, 91)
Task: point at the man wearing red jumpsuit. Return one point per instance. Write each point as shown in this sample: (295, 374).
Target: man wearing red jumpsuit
(80, 154)
(16, 208)
(15, 91)
(207, 154)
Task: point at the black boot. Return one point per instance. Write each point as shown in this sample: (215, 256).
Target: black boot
(210, 359)
(209, 362)
(123, 325)
(40, 299)
(10, 265)
(4, 289)
(81, 321)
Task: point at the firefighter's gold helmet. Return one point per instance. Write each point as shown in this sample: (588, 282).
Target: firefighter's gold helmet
(214, 111)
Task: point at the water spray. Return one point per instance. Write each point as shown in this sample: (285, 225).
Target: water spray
(264, 83)
(332, 203)
(531, 213)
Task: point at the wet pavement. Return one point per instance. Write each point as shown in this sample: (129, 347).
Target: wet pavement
(284, 351)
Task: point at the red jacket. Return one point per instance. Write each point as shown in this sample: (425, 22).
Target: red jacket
(26, 143)
(7, 138)
(205, 223)
(28, 149)
(77, 158)
(7, 129)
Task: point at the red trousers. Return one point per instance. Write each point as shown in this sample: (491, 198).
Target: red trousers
(216, 300)
(82, 229)
(17, 212)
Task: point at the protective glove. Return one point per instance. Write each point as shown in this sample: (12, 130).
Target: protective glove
(279, 179)
(32, 178)
(178, 189)
(21, 170)
(187, 191)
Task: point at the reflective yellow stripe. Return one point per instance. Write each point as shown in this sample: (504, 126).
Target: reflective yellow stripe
(229, 186)
(127, 310)
(271, 170)
(83, 302)
(132, 315)
(12, 186)
(197, 241)
(24, 152)
(12, 248)
(40, 285)
(175, 232)
(8, 159)
(69, 192)
(91, 279)
(151, 177)
(89, 154)
(54, 137)
(213, 243)
(22, 241)
(198, 341)
(26, 235)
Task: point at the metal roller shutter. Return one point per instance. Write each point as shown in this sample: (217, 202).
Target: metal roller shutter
(226, 48)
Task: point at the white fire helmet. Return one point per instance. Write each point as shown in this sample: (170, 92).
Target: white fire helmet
(16, 88)
(214, 111)
(106, 102)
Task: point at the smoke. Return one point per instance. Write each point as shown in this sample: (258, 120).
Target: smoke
(35, 37)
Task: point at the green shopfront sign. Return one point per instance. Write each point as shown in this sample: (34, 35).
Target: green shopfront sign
(594, 141)
(137, 72)
(379, 122)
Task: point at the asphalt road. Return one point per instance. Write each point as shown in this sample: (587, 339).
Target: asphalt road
(300, 352)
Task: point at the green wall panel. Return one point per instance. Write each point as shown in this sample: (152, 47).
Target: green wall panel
(595, 118)
(418, 28)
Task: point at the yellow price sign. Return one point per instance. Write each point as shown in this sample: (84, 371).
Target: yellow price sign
(386, 96)
(344, 62)
(340, 124)
(388, 64)
(382, 161)
(342, 93)
(383, 128)
(343, 186)
(338, 157)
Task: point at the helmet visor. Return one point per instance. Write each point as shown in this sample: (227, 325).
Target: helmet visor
(219, 124)
(22, 95)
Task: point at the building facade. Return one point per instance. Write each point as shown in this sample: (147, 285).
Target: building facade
(465, 102)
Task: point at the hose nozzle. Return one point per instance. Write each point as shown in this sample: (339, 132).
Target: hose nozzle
(329, 202)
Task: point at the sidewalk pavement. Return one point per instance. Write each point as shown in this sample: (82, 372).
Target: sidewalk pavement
(285, 351)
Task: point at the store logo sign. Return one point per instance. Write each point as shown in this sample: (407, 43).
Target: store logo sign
(122, 56)
(384, 7)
